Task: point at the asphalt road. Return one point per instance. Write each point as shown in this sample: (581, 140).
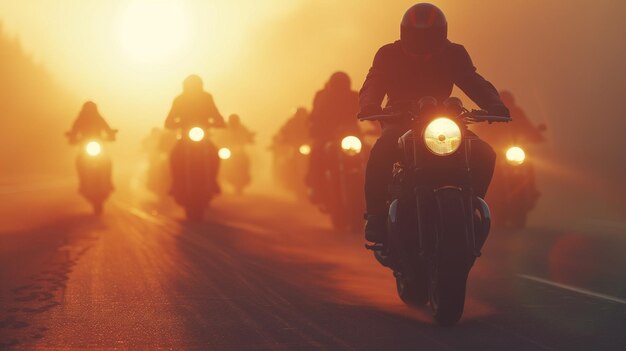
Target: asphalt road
(263, 273)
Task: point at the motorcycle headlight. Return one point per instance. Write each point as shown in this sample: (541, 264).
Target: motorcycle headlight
(196, 134)
(224, 153)
(93, 148)
(351, 145)
(515, 155)
(443, 136)
(304, 149)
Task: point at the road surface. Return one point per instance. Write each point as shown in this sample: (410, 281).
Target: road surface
(263, 273)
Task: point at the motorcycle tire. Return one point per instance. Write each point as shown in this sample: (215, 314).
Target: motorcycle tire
(448, 269)
(97, 208)
(412, 292)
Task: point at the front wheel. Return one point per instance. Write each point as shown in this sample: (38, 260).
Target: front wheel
(98, 208)
(448, 269)
(412, 292)
(446, 293)
(194, 213)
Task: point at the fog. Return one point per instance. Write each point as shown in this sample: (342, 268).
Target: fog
(562, 60)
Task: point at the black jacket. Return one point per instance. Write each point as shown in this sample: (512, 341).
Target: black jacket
(403, 78)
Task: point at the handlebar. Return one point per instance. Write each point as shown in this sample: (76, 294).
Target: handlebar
(75, 138)
(467, 117)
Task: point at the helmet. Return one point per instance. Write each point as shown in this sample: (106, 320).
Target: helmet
(192, 84)
(424, 29)
(234, 119)
(339, 81)
(89, 108)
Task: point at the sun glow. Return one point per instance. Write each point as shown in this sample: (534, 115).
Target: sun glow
(153, 31)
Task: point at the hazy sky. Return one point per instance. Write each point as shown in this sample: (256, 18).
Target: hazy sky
(563, 59)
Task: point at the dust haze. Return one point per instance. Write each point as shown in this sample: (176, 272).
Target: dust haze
(563, 60)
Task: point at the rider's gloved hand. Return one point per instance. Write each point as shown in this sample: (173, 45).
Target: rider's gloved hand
(370, 110)
(499, 110)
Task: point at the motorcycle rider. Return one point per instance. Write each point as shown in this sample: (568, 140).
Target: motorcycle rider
(332, 116)
(519, 130)
(238, 134)
(423, 63)
(89, 124)
(194, 107)
(295, 131)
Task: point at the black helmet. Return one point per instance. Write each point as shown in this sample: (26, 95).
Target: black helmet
(192, 84)
(423, 30)
(339, 81)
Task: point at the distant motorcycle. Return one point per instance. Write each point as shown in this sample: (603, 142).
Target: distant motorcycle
(235, 168)
(513, 191)
(158, 146)
(194, 162)
(94, 169)
(342, 186)
(437, 226)
(291, 163)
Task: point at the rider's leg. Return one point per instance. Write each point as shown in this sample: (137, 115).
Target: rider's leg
(482, 164)
(378, 177)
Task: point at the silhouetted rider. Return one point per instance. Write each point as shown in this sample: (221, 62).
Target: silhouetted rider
(295, 131)
(422, 63)
(238, 134)
(520, 130)
(90, 124)
(194, 108)
(331, 118)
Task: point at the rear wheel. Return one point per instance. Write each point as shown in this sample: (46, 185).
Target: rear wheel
(448, 269)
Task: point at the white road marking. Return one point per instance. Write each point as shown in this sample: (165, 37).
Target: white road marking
(574, 289)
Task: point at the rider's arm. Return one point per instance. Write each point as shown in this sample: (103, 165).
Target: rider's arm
(375, 86)
(76, 127)
(316, 124)
(170, 121)
(214, 114)
(477, 88)
(104, 126)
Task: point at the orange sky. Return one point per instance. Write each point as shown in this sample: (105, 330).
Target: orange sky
(563, 59)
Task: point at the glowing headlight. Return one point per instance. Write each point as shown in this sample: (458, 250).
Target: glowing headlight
(224, 153)
(351, 145)
(93, 148)
(304, 149)
(515, 155)
(442, 136)
(196, 134)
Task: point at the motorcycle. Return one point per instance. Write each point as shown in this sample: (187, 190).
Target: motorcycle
(342, 185)
(236, 167)
(513, 190)
(94, 169)
(290, 166)
(158, 147)
(194, 164)
(436, 224)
